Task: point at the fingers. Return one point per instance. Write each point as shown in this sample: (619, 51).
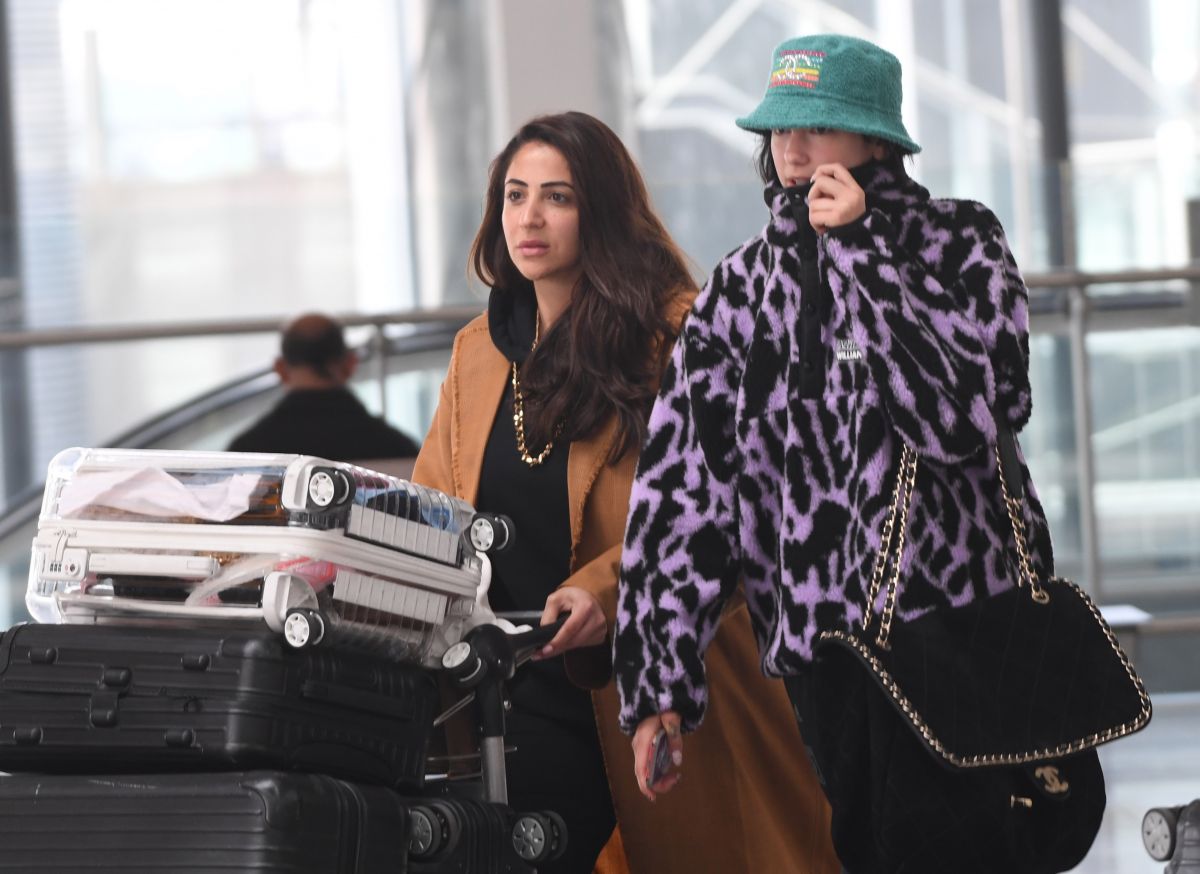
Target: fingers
(671, 722)
(565, 635)
(555, 605)
(825, 187)
(643, 753)
(558, 603)
(586, 626)
(643, 743)
(835, 199)
(834, 171)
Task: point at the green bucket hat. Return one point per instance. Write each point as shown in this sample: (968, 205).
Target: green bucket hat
(833, 81)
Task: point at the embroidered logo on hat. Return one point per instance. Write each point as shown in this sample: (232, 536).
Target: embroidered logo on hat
(797, 68)
(833, 81)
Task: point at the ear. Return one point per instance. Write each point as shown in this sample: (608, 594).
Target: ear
(281, 370)
(879, 150)
(349, 365)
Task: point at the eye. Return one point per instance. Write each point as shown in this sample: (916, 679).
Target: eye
(779, 131)
(559, 197)
(513, 195)
(819, 131)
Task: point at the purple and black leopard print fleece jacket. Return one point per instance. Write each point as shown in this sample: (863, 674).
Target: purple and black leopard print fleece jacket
(918, 316)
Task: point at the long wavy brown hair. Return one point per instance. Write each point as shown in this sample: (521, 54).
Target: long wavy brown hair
(604, 355)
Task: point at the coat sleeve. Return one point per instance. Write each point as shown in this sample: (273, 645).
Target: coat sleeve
(599, 578)
(945, 335)
(681, 544)
(591, 666)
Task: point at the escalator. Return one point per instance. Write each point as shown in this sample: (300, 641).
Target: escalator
(407, 372)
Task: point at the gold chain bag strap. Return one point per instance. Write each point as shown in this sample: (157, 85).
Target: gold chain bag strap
(976, 721)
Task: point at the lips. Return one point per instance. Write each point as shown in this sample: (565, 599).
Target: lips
(532, 247)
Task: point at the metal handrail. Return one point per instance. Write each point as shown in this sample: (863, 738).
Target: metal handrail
(1069, 278)
(1052, 280)
(433, 334)
(1060, 304)
(429, 337)
(77, 335)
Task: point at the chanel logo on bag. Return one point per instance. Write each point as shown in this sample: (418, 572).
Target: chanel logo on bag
(1051, 783)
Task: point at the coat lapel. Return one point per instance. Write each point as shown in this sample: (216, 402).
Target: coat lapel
(483, 373)
(583, 466)
(482, 376)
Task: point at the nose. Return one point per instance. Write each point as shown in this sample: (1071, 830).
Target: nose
(531, 213)
(795, 147)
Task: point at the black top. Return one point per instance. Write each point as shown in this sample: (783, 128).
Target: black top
(330, 423)
(535, 498)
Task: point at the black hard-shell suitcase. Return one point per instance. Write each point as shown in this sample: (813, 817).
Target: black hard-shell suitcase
(261, 821)
(109, 699)
(454, 833)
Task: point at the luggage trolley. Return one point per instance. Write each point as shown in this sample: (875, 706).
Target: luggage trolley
(320, 552)
(312, 548)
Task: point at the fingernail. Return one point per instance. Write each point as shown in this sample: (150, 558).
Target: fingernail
(677, 758)
(547, 649)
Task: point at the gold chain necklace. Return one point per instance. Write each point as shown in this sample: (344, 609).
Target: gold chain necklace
(519, 412)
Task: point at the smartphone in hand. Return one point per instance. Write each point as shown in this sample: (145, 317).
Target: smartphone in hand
(660, 757)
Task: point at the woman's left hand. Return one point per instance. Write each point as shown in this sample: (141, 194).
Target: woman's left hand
(586, 626)
(835, 199)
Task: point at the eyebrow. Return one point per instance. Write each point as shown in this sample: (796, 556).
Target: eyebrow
(553, 184)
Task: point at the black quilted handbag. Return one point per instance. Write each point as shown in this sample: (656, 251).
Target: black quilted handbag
(964, 740)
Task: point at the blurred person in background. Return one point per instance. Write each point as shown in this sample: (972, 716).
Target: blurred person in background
(319, 414)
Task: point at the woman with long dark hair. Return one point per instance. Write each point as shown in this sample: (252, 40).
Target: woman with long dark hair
(541, 417)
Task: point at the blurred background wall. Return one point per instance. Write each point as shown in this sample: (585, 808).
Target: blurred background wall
(170, 160)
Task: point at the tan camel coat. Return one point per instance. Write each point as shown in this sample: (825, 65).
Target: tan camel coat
(748, 800)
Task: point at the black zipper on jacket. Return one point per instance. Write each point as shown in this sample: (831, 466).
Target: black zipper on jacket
(814, 302)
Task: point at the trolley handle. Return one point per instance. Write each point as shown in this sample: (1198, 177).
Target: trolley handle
(536, 637)
(489, 650)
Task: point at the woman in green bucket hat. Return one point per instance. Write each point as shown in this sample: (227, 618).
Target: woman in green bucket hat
(866, 317)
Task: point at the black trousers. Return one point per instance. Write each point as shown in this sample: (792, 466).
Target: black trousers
(799, 687)
(558, 766)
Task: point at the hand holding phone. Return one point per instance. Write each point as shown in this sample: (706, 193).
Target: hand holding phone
(660, 762)
(657, 753)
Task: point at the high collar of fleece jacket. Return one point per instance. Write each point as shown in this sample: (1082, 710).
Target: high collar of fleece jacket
(886, 190)
(511, 315)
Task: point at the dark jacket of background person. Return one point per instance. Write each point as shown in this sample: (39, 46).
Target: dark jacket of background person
(749, 802)
(319, 415)
(331, 423)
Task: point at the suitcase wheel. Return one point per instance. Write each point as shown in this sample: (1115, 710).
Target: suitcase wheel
(303, 628)
(429, 831)
(491, 532)
(539, 837)
(463, 665)
(421, 833)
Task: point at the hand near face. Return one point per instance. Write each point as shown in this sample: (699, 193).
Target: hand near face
(835, 199)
